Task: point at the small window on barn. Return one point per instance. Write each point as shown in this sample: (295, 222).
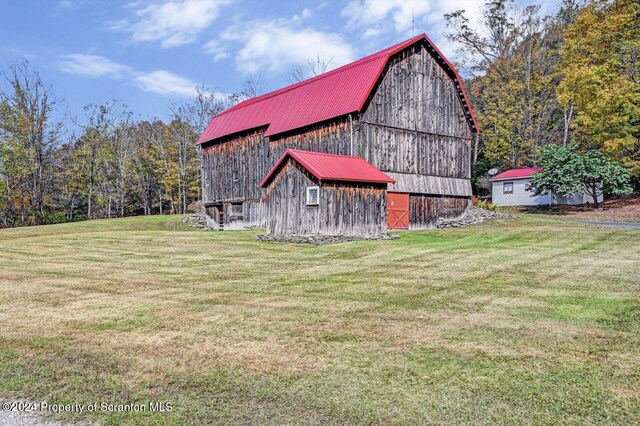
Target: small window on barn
(507, 188)
(313, 195)
(235, 175)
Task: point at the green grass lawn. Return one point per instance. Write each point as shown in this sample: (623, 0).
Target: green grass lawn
(527, 321)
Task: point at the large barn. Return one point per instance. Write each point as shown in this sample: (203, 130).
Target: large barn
(403, 110)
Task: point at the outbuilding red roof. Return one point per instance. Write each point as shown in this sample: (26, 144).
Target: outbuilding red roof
(517, 173)
(333, 94)
(331, 167)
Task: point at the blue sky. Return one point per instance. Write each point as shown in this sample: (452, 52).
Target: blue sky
(149, 53)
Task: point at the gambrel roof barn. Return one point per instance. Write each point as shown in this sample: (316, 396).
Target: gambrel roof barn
(404, 110)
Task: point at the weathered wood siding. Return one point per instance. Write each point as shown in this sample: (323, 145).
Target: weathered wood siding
(415, 93)
(420, 184)
(247, 214)
(344, 208)
(425, 210)
(248, 156)
(252, 156)
(408, 151)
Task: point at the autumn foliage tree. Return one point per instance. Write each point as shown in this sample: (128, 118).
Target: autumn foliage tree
(511, 58)
(601, 77)
(538, 80)
(107, 165)
(29, 138)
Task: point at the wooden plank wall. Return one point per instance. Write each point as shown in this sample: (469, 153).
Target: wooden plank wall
(420, 184)
(416, 94)
(353, 209)
(246, 214)
(252, 156)
(407, 151)
(425, 210)
(332, 138)
(287, 210)
(346, 209)
(249, 156)
(415, 122)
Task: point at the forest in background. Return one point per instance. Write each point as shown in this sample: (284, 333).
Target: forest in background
(110, 166)
(572, 76)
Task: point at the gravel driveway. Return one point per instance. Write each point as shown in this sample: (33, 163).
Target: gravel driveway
(628, 225)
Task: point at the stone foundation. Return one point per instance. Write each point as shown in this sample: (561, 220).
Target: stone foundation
(201, 221)
(320, 240)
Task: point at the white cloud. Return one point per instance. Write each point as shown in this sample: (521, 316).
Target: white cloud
(93, 66)
(215, 49)
(375, 15)
(172, 23)
(275, 46)
(302, 15)
(159, 81)
(377, 18)
(166, 83)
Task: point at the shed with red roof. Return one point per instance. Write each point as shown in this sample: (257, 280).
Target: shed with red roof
(403, 110)
(510, 188)
(313, 193)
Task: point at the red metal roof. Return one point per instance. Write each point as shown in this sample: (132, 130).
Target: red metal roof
(331, 167)
(333, 94)
(517, 173)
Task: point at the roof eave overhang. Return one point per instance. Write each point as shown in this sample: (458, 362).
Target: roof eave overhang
(288, 154)
(234, 134)
(379, 181)
(510, 178)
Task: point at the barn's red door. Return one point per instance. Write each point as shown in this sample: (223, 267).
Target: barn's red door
(397, 210)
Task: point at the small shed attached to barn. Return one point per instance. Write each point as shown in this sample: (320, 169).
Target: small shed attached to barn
(313, 193)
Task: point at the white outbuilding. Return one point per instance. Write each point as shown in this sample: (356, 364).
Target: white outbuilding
(509, 189)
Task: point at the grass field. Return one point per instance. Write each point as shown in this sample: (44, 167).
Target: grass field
(527, 321)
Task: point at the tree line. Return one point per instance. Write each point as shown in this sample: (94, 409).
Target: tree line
(568, 78)
(536, 79)
(110, 165)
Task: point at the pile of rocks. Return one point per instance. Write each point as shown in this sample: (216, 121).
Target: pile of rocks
(200, 221)
(471, 216)
(321, 240)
